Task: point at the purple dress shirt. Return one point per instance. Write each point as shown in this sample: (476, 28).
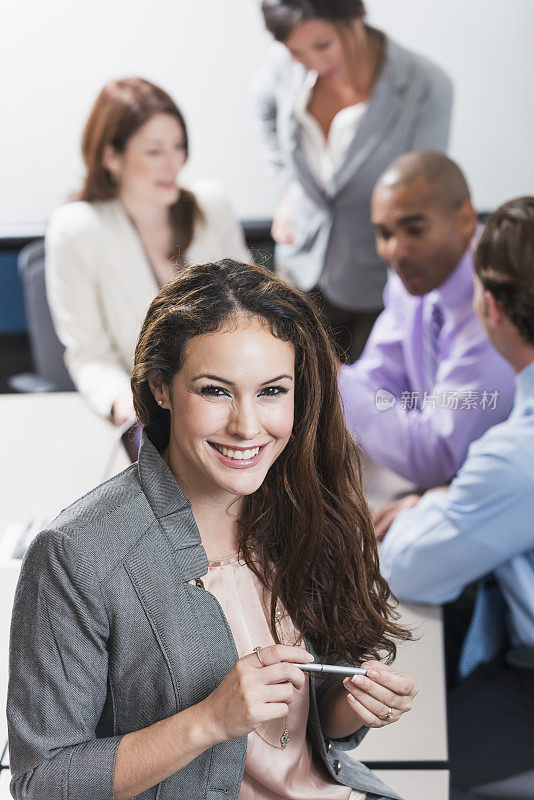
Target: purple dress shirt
(415, 423)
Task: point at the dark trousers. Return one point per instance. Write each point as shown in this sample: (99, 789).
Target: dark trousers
(490, 713)
(350, 329)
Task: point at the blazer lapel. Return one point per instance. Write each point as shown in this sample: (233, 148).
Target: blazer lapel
(385, 103)
(171, 508)
(301, 167)
(151, 557)
(133, 267)
(168, 555)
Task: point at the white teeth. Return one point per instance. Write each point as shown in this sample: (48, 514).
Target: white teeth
(238, 455)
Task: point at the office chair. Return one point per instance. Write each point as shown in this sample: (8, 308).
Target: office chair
(516, 787)
(47, 351)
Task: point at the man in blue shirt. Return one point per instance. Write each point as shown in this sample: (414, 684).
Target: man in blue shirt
(482, 528)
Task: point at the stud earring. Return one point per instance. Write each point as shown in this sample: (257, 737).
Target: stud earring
(160, 402)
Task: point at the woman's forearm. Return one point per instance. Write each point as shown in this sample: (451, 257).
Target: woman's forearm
(336, 715)
(146, 757)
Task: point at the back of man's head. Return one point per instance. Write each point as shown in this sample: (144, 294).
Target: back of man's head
(504, 262)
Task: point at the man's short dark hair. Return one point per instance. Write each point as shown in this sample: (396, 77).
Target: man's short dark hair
(504, 262)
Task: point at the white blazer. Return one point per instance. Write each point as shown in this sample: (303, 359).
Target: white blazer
(100, 284)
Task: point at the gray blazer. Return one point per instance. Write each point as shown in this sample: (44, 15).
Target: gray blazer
(334, 245)
(107, 637)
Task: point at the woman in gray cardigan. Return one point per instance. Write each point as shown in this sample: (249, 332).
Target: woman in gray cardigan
(159, 620)
(335, 106)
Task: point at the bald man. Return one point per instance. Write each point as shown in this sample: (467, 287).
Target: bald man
(428, 382)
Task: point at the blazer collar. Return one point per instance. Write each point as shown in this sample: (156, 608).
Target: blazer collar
(395, 70)
(169, 505)
(385, 104)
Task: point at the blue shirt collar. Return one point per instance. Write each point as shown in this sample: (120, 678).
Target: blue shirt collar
(524, 382)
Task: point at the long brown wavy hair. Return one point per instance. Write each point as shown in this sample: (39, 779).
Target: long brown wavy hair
(307, 531)
(120, 109)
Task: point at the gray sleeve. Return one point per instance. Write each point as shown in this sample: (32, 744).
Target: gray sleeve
(431, 124)
(58, 677)
(265, 89)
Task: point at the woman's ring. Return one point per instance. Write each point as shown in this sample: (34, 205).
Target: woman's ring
(388, 715)
(257, 651)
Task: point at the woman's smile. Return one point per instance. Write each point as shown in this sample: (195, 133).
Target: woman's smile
(232, 409)
(238, 457)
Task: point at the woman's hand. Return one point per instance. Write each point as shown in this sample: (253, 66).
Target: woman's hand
(282, 223)
(122, 409)
(251, 693)
(380, 697)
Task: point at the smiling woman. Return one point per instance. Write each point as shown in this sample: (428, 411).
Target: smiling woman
(231, 409)
(194, 584)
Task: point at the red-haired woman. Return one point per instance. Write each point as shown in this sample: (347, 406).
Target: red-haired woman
(159, 622)
(132, 228)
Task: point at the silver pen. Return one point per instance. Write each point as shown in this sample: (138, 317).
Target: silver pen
(330, 669)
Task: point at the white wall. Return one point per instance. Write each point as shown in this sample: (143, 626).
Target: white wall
(486, 46)
(56, 54)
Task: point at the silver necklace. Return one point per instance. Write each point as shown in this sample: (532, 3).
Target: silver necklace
(284, 738)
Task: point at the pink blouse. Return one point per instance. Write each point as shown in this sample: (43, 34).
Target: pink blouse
(271, 774)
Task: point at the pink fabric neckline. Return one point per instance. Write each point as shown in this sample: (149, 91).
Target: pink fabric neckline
(223, 562)
(270, 774)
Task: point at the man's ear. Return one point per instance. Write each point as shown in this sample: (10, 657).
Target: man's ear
(466, 217)
(494, 311)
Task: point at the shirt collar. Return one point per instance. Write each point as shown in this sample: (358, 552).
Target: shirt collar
(458, 288)
(302, 97)
(524, 382)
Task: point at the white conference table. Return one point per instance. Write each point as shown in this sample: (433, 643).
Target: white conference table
(54, 449)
